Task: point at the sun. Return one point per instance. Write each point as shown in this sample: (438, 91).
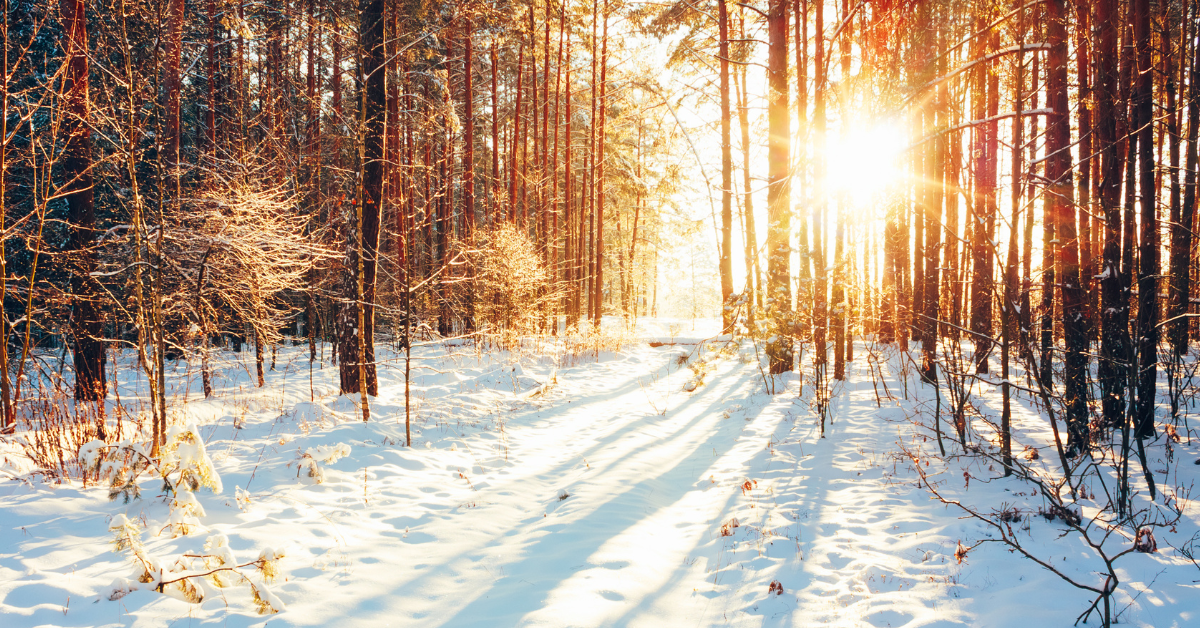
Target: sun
(865, 161)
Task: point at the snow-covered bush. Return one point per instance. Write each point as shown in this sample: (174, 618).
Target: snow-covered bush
(118, 465)
(193, 577)
(510, 283)
(184, 455)
(183, 465)
(328, 454)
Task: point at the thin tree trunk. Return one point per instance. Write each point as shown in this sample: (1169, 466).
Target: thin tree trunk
(496, 180)
(7, 414)
(599, 252)
(726, 256)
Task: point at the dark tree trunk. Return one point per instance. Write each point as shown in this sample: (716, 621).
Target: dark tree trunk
(1114, 311)
(1148, 263)
(87, 320)
(374, 115)
(1060, 197)
(983, 218)
(931, 203)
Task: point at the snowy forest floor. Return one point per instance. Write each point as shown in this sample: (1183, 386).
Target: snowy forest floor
(585, 490)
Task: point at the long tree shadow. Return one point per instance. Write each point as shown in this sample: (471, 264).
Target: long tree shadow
(654, 474)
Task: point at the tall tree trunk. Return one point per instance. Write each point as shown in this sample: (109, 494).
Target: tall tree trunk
(981, 220)
(557, 245)
(517, 137)
(1114, 311)
(496, 181)
(820, 303)
(726, 257)
(1008, 316)
(753, 269)
(571, 268)
(841, 310)
(213, 81)
(931, 203)
(7, 415)
(1087, 225)
(468, 177)
(87, 320)
(804, 262)
(1148, 263)
(779, 350)
(358, 358)
(1060, 195)
(1182, 225)
(603, 115)
(313, 183)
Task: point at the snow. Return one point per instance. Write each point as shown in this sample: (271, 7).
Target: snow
(608, 498)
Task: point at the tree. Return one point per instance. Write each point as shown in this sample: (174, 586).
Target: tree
(87, 320)
(357, 316)
(779, 350)
(726, 252)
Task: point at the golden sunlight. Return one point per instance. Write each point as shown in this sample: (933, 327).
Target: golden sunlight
(866, 161)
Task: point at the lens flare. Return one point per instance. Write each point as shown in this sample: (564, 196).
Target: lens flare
(866, 161)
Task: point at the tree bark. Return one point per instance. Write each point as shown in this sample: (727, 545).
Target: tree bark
(1114, 312)
(779, 350)
(87, 320)
(1061, 199)
(1148, 263)
(603, 115)
(1181, 226)
(358, 358)
(982, 221)
(726, 257)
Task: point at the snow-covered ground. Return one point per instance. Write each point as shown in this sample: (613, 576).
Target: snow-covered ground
(580, 490)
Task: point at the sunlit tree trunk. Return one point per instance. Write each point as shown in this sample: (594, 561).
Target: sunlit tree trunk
(7, 415)
(603, 114)
(820, 303)
(1182, 237)
(753, 266)
(779, 350)
(726, 257)
(1087, 224)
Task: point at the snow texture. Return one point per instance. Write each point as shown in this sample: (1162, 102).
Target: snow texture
(611, 498)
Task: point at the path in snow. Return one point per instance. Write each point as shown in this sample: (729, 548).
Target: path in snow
(638, 539)
(467, 528)
(640, 500)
